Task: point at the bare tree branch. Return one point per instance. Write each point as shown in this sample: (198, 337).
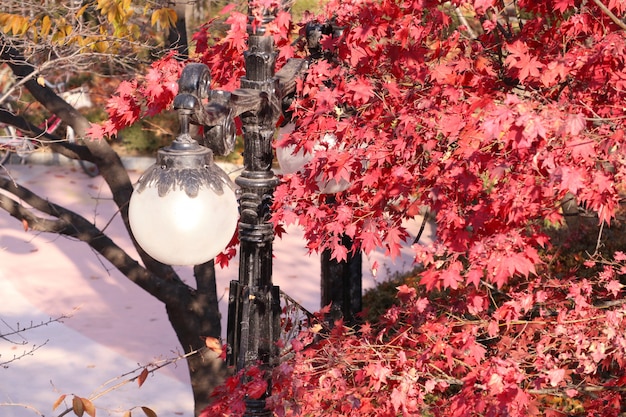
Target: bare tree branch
(610, 14)
(19, 330)
(68, 223)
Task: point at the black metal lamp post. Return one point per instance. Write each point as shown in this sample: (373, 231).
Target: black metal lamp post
(186, 167)
(185, 193)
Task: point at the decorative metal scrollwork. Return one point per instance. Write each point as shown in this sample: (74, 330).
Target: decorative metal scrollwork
(215, 116)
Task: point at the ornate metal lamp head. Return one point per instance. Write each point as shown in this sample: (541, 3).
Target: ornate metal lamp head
(184, 209)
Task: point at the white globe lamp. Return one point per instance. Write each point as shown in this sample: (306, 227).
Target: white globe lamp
(183, 210)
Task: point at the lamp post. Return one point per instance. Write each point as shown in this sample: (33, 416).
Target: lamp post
(186, 185)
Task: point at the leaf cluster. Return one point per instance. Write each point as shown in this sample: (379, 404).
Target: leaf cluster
(72, 33)
(544, 347)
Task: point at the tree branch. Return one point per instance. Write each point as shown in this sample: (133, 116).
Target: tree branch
(107, 160)
(68, 223)
(56, 143)
(610, 14)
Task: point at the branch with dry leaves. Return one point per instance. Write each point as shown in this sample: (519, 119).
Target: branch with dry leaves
(82, 405)
(85, 405)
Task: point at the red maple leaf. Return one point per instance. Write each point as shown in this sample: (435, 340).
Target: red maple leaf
(361, 90)
(573, 179)
(451, 276)
(520, 58)
(256, 388)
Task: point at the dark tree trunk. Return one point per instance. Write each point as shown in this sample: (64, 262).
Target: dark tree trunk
(341, 284)
(177, 36)
(194, 320)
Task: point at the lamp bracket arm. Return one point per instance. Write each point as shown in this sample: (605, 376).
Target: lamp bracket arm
(210, 115)
(288, 75)
(265, 107)
(246, 100)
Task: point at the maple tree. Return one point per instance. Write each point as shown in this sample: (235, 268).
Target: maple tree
(492, 115)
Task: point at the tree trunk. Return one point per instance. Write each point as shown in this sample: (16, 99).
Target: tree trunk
(341, 284)
(193, 320)
(177, 36)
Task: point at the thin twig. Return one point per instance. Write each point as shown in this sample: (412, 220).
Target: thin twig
(28, 407)
(151, 369)
(32, 326)
(610, 14)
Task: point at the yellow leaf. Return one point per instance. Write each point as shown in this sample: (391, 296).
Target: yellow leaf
(6, 20)
(77, 406)
(127, 414)
(171, 16)
(62, 33)
(88, 406)
(19, 24)
(165, 17)
(46, 24)
(101, 46)
(25, 225)
(155, 17)
(81, 11)
(134, 31)
(149, 412)
(142, 377)
(41, 81)
(58, 402)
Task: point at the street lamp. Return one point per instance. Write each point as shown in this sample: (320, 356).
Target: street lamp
(184, 204)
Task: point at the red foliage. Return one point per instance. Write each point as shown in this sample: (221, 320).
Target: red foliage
(489, 117)
(141, 98)
(545, 351)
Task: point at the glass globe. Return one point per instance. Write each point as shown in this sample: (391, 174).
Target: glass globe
(292, 161)
(184, 210)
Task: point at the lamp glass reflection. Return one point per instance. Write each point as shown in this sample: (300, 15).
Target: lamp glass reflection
(292, 161)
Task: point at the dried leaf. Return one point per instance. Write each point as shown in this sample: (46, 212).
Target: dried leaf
(77, 406)
(213, 344)
(142, 377)
(58, 402)
(149, 412)
(316, 328)
(88, 406)
(41, 81)
(127, 414)
(25, 224)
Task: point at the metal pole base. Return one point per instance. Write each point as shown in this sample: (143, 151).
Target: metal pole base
(256, 408)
